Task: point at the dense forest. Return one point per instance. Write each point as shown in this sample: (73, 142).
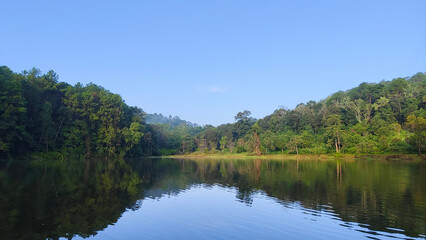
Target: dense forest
(39, 115)
(388, 117)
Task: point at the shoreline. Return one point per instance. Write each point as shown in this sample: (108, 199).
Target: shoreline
(413, 157)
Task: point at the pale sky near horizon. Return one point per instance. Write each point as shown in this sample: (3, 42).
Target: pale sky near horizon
(204, 61)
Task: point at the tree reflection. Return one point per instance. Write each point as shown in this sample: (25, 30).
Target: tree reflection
(47, 199)
(377, 194)
(53, 199)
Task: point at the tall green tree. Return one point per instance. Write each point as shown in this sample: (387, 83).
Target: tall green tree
(417, 126)
(12, 105)
(334, 130)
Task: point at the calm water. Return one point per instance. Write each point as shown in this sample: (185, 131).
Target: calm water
(212, 199)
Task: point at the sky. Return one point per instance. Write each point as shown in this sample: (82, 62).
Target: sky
(205, 61)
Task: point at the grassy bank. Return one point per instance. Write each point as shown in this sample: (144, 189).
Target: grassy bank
(298, 157)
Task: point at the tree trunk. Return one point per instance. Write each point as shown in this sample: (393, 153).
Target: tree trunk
(257, 144)
(337, 149)
(47, 144)
(419, 148)
(59, 129)
(87, 146)
(338, 141)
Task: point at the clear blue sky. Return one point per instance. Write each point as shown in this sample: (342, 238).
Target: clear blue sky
(207, 60)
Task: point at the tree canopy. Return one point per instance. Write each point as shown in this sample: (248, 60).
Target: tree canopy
(39, 114)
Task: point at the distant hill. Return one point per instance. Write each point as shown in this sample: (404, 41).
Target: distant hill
(172, 121)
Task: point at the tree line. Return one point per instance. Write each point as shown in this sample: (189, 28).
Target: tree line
(39, 114)
(374, 118)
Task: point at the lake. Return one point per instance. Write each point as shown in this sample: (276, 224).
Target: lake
(162, 198)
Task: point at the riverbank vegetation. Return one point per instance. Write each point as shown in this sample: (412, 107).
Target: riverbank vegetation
(40, 115)
(384, 118)
(280, 156)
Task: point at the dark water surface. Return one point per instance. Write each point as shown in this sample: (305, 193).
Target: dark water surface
(212, 199)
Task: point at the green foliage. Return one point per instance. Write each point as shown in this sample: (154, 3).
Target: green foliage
(417, 125)
(223, 143)
(40, 114)
(363, 120)
(12, 105)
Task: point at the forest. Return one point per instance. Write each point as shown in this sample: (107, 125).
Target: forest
(40, 115)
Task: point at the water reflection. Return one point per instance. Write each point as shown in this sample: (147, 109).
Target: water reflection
(64, 199)
(46, 199)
